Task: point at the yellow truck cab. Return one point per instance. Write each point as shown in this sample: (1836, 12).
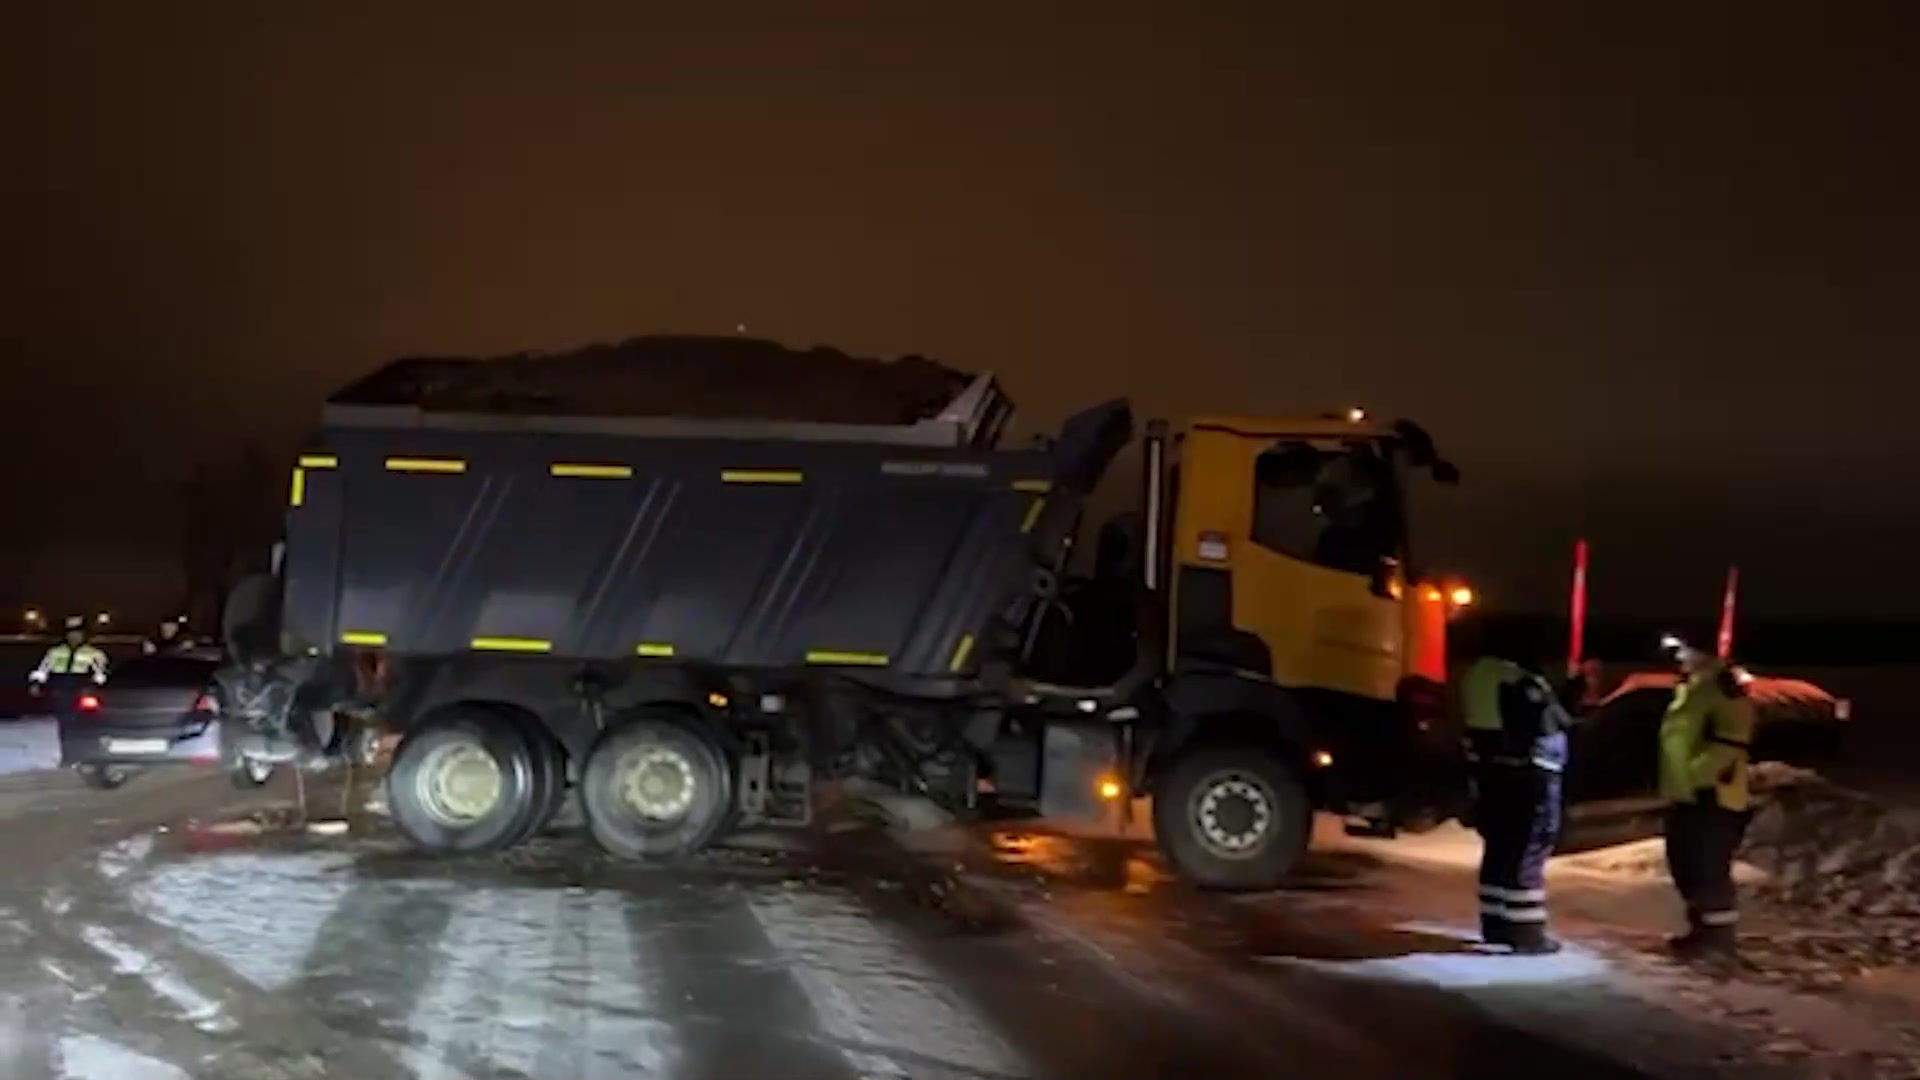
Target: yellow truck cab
(1305, 662)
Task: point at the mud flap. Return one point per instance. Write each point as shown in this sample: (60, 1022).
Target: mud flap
(1076, 760)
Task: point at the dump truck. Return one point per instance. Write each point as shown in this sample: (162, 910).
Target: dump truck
(693, 622)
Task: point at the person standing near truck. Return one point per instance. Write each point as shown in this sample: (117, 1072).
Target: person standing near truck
(1516, 747)
(1706, 739)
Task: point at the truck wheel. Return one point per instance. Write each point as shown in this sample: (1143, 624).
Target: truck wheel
(104, 777)
(1231, 817)
(464, 781)
(549, 775)
(656, 787)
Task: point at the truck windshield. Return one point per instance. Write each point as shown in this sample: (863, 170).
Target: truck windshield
(1336, 506)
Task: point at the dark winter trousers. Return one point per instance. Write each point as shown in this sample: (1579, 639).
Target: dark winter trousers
(1702, 837)
(1519, 820)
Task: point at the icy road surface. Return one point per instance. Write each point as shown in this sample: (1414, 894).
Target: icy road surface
(135, 944)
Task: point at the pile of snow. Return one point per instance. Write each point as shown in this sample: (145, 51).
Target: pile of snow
(683, 376)
(28, 744)
(1827, 849)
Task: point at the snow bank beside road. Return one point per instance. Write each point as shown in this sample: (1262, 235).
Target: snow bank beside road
(29, 743)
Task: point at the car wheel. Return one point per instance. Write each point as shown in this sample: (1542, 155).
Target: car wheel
(1231, 816)
(657, 786)
(464, 781)
(105, 777)
(250, 773)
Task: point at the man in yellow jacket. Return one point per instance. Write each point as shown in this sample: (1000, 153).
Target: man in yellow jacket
(1706, 740)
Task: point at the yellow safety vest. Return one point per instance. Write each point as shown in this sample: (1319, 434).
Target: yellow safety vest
(1706, 741)
(64, 659)
(1488, 739)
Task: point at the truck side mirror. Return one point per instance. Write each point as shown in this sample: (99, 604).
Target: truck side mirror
(1381, 582)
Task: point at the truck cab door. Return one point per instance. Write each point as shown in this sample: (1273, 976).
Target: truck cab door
(1307, 531)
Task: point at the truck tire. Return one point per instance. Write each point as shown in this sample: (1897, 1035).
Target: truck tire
(104, 777)
(656, 787)
(549, 773)
(464, 781)
(1232, 817)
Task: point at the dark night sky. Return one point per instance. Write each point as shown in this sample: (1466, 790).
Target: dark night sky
(1651, 278)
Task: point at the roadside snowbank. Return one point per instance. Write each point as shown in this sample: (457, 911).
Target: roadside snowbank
(28, 744)
(1832, 850)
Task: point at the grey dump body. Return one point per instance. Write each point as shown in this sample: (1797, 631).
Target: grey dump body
(907, 549)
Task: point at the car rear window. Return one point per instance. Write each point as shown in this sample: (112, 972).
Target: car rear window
(162, 671)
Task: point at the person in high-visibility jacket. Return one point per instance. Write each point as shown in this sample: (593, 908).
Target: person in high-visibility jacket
(1706, 741)
(1516, 746)
(71, 658)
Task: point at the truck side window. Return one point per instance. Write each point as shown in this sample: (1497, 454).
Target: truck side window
(1329, 507)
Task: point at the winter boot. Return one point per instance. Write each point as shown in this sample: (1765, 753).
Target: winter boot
(1705, 942)
(1531, 939)
(1495, 930)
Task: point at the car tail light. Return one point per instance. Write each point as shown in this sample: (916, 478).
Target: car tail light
(88, 703)
(205, 703)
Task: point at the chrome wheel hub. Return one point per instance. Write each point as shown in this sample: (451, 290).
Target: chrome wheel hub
(656, 782)
(1234, 814)
(458, 783)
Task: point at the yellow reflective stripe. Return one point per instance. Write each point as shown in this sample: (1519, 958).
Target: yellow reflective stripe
(760, 476)
(862, 659)
(653, 648)
(426, 465)
(587, 471)
(298, 496)
(1040, 486)
(1033, 515)
(960, 653)
(363, 637)
(318, 461)
(512, 644)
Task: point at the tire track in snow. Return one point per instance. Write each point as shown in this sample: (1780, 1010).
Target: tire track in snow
(272, 908)
(724, 986)
(30, 1006)
(195, 1007)
(890, 1015)
(528, 977)
(89, 924)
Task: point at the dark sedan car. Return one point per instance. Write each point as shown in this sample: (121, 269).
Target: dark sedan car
(154, 710)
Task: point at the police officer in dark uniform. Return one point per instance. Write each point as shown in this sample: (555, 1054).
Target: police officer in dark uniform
(1516, 747)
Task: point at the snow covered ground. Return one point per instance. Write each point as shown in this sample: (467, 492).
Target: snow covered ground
(215, 952)
(199, 946)
(29, 743)
(455, 982)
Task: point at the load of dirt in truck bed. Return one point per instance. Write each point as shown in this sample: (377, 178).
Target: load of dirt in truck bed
(678, 376)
